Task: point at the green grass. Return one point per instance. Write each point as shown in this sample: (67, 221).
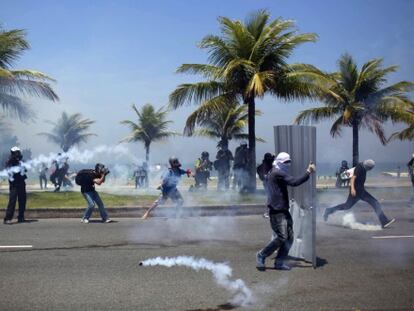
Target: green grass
(75, 199)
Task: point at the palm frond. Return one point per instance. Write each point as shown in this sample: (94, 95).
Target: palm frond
(195, 92)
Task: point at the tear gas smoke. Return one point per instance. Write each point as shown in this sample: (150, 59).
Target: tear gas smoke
(74, 155)
(349, 221)
(221, 272)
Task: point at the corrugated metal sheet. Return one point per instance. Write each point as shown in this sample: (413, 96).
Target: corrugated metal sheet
(300, 142)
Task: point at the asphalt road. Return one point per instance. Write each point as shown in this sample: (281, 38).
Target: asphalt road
(74, 266)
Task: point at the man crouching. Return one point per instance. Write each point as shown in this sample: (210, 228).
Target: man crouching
(278, 203)
(87, 180)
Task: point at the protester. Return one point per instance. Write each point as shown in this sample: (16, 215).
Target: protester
(222, 165)
(340, 180)
(357, 192)
(278, 203)
(42, 176)
(265, 168)
(168, 187)
(203, 167)
(138, 177)
(240, 167)
(410, 165)
(262, 171)
(87, 179)
(17, 186)
(145, 173)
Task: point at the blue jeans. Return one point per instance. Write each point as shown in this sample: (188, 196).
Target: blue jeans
(91, 198)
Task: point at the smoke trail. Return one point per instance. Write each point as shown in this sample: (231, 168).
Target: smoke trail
(221, 272)
(349, 221)
(74, 155)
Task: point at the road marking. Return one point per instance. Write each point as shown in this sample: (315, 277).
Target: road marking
(393, 237)
(16, 246)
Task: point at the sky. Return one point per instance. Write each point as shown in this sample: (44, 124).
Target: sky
(108, 55)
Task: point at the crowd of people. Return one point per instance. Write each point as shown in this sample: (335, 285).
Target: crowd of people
(274, 172)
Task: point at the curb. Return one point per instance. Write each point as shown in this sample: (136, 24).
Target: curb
(187, 211)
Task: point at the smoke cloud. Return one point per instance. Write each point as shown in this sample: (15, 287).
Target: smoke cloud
(242, 295)
(349, 221)
(74, 155)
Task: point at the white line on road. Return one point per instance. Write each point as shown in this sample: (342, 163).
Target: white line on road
(16, 246)
(393, 237)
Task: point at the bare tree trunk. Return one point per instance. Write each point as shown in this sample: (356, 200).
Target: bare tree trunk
(252, 144)
(355, 143)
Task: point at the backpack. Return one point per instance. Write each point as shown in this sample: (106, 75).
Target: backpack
(82, 176)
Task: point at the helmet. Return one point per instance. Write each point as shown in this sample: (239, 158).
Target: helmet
(16, 153)
(205, 154)
(15, 149)
(174, 162)
(268, 157)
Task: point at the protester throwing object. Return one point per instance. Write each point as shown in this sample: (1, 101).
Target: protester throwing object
(168, 186)
(17, 186)
(87, 179)
(278, 203)
(357, 192)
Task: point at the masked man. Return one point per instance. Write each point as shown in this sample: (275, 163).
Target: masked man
(357, 192)
(278, 203)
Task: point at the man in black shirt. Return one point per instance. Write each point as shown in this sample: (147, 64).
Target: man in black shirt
(17, 185)
(87, 180)
(278, 203)
(222, 165)
(357, 192)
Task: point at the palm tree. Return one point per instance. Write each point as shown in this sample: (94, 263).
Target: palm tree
(14, 83)
(247, 61)
(224, 124)
(406, 115)
(69, 130)
(357, 98)
(151, 126)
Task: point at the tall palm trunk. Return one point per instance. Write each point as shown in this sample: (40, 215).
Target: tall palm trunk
(355, 143)
(147, 150)
(252, 143)
(224, 142)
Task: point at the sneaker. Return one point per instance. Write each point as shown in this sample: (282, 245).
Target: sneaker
(260, 262)
(109, 220)
(387, 224)
(280, 265)
(85, 221)
(266, 215)
(7, 222)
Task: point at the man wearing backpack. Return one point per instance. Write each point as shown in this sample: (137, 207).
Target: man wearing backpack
(87, 180)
